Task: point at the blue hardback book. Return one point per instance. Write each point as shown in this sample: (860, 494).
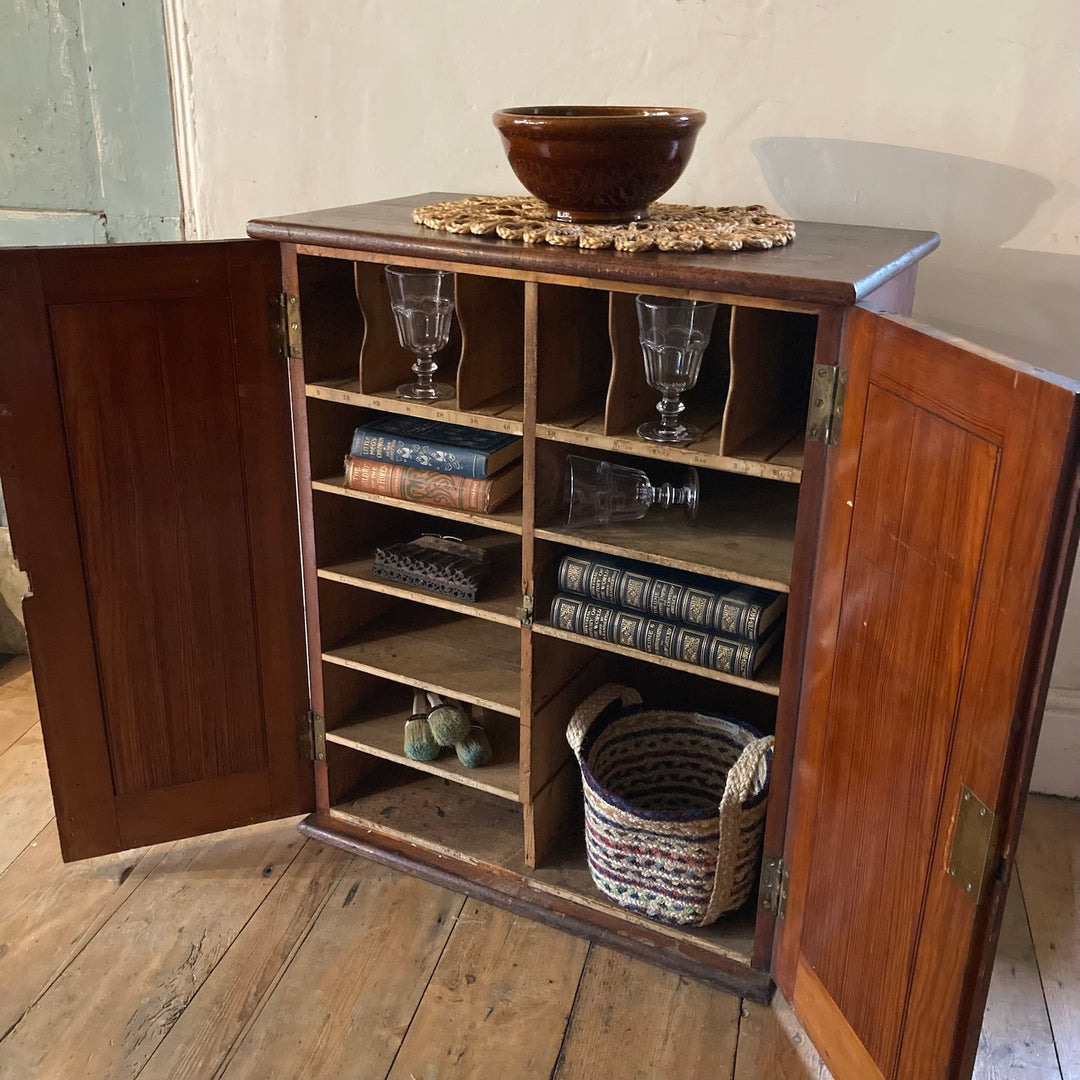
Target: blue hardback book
(431, 444)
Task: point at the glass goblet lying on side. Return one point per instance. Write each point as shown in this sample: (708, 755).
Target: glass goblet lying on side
(674, 335)
(598, 492)
(423, 306)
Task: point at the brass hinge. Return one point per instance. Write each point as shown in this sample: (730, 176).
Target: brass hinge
(973, 855)
(772, 896)
(313, 735)
(525, 612)
(285, 325)
(826, 404)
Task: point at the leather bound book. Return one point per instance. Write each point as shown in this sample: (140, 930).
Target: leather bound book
(721, 607)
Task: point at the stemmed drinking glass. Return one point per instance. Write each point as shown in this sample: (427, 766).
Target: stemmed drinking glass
(598, 492)
(423, 306)
(673, 334)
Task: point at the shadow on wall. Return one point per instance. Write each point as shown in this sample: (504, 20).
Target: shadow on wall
(1022, 303)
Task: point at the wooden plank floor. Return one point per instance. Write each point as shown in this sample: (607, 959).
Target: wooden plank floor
(257, 954)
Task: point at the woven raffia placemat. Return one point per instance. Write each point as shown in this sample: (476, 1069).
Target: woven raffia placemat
(670, 227)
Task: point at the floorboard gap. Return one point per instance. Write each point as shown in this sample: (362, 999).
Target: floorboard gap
(1018, 884)
(420, 996)
(560, 1057)
(157, 856)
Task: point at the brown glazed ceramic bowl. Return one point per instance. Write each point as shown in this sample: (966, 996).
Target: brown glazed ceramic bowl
(598, 164)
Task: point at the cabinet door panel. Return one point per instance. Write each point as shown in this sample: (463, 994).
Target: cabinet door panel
(950, 510)
(151, 426)
(159, 532)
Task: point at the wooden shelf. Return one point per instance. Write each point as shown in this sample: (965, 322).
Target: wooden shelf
(443, 816)
(780, 446)
(380, 731)
(469, 659)
(566, 873)
(766, 681)
(504, 412)
(506, 519)
(777, 455)
(500, 597)
(459, 823)
(737, 535)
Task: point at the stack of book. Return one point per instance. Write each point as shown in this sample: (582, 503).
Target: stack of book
(427, 461)
(700, 620)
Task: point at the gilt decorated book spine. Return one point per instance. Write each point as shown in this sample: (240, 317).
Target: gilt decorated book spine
(430, 488)
(421, 443)
(659, 637)
(721, 607)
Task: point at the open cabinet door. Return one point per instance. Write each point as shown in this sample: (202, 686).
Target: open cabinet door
(949, 533)
(147, 467)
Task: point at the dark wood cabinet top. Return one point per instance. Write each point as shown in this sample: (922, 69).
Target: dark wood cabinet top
(826, 264)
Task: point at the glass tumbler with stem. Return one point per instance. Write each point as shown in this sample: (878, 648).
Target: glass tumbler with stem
(423, 306)
(599, 492)
(674, 334)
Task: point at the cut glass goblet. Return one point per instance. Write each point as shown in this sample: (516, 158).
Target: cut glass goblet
(599, 492)
(423, 306)
(674, 335)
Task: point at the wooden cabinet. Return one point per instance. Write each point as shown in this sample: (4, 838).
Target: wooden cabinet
(205, 624)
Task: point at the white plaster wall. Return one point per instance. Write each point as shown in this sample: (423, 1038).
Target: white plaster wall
(954, 115)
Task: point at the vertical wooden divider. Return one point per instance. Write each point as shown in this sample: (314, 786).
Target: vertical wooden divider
(708, 399)
(574, 348)
(555, 674)
(756, 375)
(566, 673)
(556, 813)
(383, 362)
(290, 280)
(630, 400)
(528, 566)
(332, 322)
(491, 315)
(772, 354)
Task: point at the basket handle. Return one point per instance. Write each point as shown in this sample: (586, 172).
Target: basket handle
(740, 781)
(592, 707)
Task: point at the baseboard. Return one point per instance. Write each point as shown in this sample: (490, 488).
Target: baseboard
(1057, 761)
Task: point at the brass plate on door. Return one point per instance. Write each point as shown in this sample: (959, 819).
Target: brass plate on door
(971, 858)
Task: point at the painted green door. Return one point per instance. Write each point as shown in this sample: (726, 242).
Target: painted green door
(85, 124)
(87, 154)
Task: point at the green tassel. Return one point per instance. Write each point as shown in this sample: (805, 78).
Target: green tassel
(448, 721)
(474, 750)
(420, 744)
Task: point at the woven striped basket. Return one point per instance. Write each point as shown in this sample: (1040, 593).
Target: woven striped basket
(674, 806)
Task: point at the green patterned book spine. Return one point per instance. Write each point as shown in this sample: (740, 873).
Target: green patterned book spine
(659, 637)
(722, 607)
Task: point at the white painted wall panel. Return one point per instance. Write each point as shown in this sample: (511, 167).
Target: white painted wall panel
(49, 157)
(86, 141)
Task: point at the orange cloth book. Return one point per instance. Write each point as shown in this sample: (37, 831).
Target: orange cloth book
(432, 488)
